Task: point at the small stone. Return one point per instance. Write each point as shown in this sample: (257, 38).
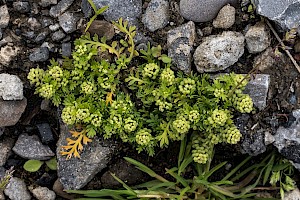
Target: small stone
(8, 53)
(17, 190)
(258, 38)
(30, 147)
(102, 28)
(11, 87)
(4, 16)
(11, 111)
(58, 35)
(226, 17)
(156, 15)
(21, 6)
(39, 55)
(93, 159)
(180, 44)
(45, 133)
(60, 8)
(58, 188)
(218, 52)
(86, 8)
(264, 60)
(292, 195)
(253, 143)
(54, 27)
(46, 3)
(258, 88)
(47, 179)
(45, 105)
(68, 22)
(46, 21)
(43, 193)
(66, 49)
(34, 24)
(41, 37)
(29, 34)
(5, 149)
(269, 138)
(204, 10)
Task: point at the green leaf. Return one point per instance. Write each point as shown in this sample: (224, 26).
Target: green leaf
(32, 165)
(280, 167)
(165, 59)
(124, 184)
(268, 169)
(52, 163)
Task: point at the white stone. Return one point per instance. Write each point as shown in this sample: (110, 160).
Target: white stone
(11, 87)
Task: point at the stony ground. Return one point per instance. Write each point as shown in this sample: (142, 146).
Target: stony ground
(213, 36)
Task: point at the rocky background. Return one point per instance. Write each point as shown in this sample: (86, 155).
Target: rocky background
(213, 36)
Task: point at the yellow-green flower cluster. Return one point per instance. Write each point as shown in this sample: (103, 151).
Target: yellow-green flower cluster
(240, 80)
(143, 137)
(187, 86)
(46, 90)
(80, 50)
(116, 121)
(83, 114)
(200, 150)
(151, 70)
(88, 87)
(218, 118)
(56, 72)
(123, 106)
(163, 105)
(167, 76)
(194, 116)
(243, 103)
(96, 119)
(219, 93)
(130, 125)
(69, 115)
(231, 135)
(35, 76)
(181, 125)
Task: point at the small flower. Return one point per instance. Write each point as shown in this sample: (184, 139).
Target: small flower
(46, 90)
(56, 72)
(244, 103)
(194, 116)
(163, 105)
(231, 135)
(130, 125)
(167, 76)
(68, 115)
(150, 70)
(187, 86)
(218, 118)
(181, 125)
(35, 76)
(83, 114)
(96, 119)
(143, 137)
(88, 87)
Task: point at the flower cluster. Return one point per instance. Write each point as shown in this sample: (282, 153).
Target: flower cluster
(187, 86)
(151, 70)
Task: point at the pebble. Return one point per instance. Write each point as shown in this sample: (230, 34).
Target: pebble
(54, 27)
(39, 55)
(21, 6)
(6, 145)
(17, 190)
(29, 34)
(102, 28)
(8, 53)
(30, 147)
(218, 52)
(46, 21)
(46, 3)
(258, 38)
(11, 87)
(60, 8)
(68, 22)
(4, 16)
(180, 42)
(45, 133)
(225, 18)
(43, 193)
(204, 10)
(292, 195)
(34, 24)
(11, 111)
(253, 143)
(40, 38)
(66, 49)
(58, 35)
(156, 15)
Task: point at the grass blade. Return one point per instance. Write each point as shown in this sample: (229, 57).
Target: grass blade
(233, 171)
(268, 169)
(124, 184)
(210, 172)
(182, 151)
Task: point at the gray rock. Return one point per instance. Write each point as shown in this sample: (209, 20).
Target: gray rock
(58, 188)
(45, 3)
(102, 28)
(93, 159)
(41, 37)
(292, 195)
(269, 138)
(39, 55)
(30, 147)
(60, 8)
(54, 27)
(58, 35)
(285, 13)
(17, 190)
(4, 16)
(11, 87)
(218, 52)
(156, 15)
(21, 6)
(225, 18)
(33, 23)
(5, 149)
(258, 38)
(68, 22)
(8, 53)
(86, 8)
(204, 10)
(46, 21)
(66, 49)
(258, 88)
(45, 133)
(129, 10)
(253, 143)
(180, 44)
(43, 193)
(11, 111)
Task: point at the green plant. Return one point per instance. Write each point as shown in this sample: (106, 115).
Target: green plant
(35, 165)
(6, 178)
(193, 181)
(97, 12)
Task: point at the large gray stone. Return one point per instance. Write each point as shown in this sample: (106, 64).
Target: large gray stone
(156, 15)
(60, 8)
(218, 52)
(11, 111)
(17, 190)
(180, 44)
(5, 149)
(11, 87)
(30, 147)
(202, 10)
(4, 16)
(258, 88)
(286, 13)
(76, 173)
(68, 22)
